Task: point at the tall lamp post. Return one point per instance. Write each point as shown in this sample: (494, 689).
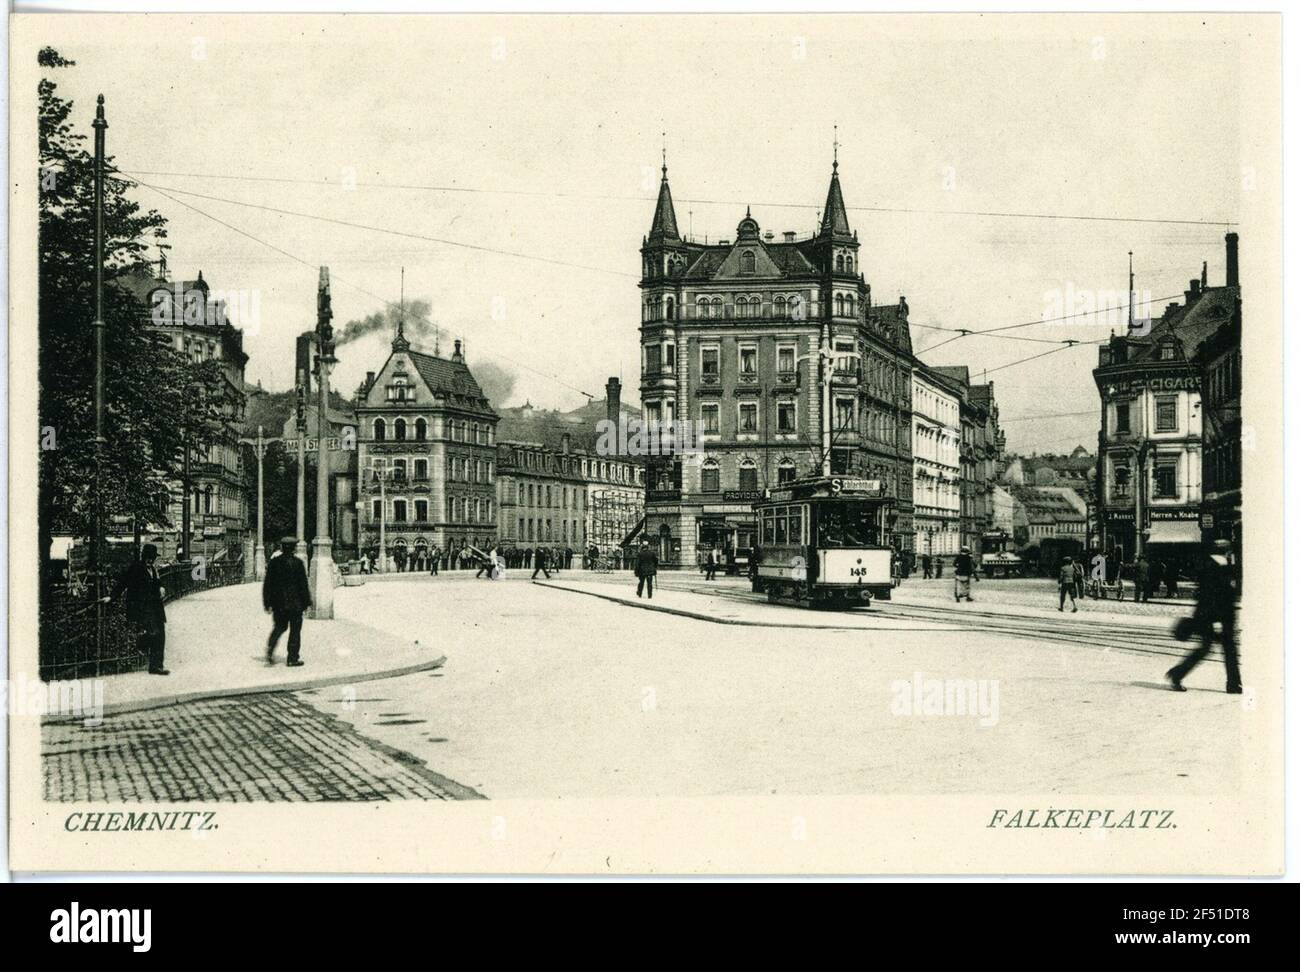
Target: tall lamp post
(97, 528)
(322, 560)
(300, 549)
(381, 477)
(259, 445)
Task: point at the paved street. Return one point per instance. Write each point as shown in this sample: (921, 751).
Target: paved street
(577, 689)
(273, 746)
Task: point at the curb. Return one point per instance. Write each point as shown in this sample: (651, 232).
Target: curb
(695, 615)
(142, 705)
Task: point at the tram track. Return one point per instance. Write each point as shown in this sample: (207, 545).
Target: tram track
(1135, 639)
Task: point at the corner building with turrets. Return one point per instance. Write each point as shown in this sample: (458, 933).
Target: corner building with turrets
(733, 335)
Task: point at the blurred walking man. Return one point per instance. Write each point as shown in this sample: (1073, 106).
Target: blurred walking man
(1216, 600)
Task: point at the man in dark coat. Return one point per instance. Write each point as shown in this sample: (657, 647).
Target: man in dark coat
(1142, 579)
(1216, 600)
(539, 562)
(285, 595)
(647, 566)
(141, 592)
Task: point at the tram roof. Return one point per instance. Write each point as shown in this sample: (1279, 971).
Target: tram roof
(827, 487)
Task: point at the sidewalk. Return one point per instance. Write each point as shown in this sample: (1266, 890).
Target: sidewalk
(216, 646)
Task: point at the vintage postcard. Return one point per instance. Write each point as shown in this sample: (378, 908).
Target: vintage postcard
(564, 444)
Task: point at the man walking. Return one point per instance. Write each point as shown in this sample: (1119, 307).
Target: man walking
(1216, 600)
(285, 595)
(539, 562)
(647, 566)
(142, 594)
(711, 564)
(435, 554)
(963, 569)
(927, 567)
(1066, 581)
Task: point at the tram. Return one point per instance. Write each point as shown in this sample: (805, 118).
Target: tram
(824, 541)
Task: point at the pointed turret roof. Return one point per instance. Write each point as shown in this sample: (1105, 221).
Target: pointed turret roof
(664, 226)
(835, 219)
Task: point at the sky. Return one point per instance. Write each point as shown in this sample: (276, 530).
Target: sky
(509, 167)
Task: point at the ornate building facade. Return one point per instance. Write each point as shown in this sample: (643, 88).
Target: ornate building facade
(427, 436)
(773, 351)
(1151, 449)
(196, 322)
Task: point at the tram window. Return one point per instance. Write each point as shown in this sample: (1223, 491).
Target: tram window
(796, 525)
(846, 525)
(781, 520)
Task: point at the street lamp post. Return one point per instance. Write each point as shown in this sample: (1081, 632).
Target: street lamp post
(97, 528)
(381, 477)
(322, 561)
(300, 549)
(259, 445)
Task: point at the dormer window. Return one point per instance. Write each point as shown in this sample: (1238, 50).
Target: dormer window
(747, 262)
(1167, 352)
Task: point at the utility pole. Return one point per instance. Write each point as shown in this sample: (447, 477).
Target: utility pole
(259, 549)
(97, 528)
(300, 549)
(259, 445)
(322, 561)
(381, 474)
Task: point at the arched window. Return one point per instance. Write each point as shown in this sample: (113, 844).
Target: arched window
(421, 430)
(848, 306)
(839, 305)
(381, 430)
(778, 306)
(848, 264)
(785, 471)
(748, 474)
(710, 481)
(715, 308)
(399, 430)
(747, 262)
(702, 307)
(839, 263)
(670, 309)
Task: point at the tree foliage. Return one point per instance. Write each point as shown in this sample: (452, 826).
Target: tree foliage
(154, 397)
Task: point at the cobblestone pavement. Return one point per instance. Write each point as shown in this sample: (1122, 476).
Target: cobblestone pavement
(273, 746)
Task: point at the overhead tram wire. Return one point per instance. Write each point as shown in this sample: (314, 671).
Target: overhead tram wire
(380, 229)
(354, 286)
(961, 332)
(699, 202)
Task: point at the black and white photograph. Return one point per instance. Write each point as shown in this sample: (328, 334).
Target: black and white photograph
(646, 443)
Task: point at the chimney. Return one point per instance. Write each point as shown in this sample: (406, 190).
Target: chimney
(789, 236)
(1231, 240)
(456, 355)
(370, 380)
(564, 443)
(613, 391)
(1193, 290)
(303, 349)
(1205, 274)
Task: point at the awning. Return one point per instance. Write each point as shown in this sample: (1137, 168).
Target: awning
(1174, 531)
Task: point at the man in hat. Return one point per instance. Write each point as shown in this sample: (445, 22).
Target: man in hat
(647, 567)
(963, 569)
(142, 594)
(1216, 600)
(285, 595)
